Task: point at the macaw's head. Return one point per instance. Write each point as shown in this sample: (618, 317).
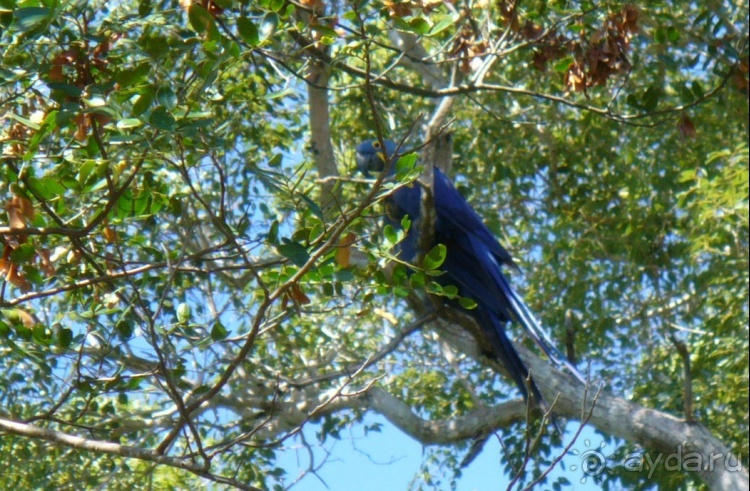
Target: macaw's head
(371, 156)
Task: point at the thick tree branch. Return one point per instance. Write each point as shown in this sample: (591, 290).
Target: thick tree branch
(652, 429)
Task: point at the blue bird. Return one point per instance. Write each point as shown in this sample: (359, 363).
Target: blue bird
(473, 263)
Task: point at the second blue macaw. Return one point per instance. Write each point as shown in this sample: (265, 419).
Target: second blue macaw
(473, 263)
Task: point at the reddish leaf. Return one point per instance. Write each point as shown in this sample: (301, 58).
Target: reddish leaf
(20, 210)
(575, 78)
(17, 278)
(82, 127)
(298, 295)
(686, 127)
(629, 19)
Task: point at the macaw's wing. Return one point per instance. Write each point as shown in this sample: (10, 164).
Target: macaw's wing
(456, 216)
(474, 261)
(405, 200)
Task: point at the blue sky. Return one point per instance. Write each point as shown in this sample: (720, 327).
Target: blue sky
(390, 460)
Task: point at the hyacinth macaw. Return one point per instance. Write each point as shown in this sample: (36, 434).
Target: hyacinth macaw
(473, 262)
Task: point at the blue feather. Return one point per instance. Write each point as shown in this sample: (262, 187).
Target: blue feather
(473, 264)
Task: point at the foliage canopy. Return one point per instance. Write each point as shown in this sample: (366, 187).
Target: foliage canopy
(192, 272)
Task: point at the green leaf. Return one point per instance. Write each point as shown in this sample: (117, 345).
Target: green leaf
(218, 331)
(4, 330)
(651, 98)
(183, 312)
(131, 76)
(276, 5)
(23, 332)
(444, 23)
(200, 20)
(144, 101)
(162, 119)
(390, 234)
(400, 292)
(29, 18)
(127, 123)
(273, 232)
(276, 160)
(248, 31)
(64, 338)
(697, 89)
(673, 34)
(467, 303)
(660, 35)
(69, 90)
(47, 187)
(324, 30)
(562, 66)
(450, 291)
(166, 97)
(47, 126)
(435, 257)
(295, 251)
(406, 162)
(268, 26)
(417, 280)
(419, 26)
(405, 223)
(687, 175)
(124, 330)
(42, 335)
(435, 288)
(312, 206)
(23, 254)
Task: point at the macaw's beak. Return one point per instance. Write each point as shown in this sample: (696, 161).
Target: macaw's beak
(367, 163)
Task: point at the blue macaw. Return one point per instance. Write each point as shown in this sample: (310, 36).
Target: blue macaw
(473, 262)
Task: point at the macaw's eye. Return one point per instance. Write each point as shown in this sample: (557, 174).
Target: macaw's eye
(376, 145)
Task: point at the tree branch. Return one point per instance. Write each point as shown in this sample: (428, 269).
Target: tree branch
(104, 447)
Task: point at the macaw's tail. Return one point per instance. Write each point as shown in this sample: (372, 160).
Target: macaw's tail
(524, 317)
(511, 360)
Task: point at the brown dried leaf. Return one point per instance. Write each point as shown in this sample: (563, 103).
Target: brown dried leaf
(343, 253)
(27, 207)
(103, 47)
(317, 6)
(686, 127)
(55, 74)
(5, 259)
(18, 316)
(629, 19)
(298, 295)
(539, 61)
(109, 235)
(740, 78)
(17, 278)
(430, 5)
(20, 210)
(213, 9)
(531, 30)
(398, 9)
(741, 82)
(82, 127)
(575, 78)
(45, 263)
(508, 14)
